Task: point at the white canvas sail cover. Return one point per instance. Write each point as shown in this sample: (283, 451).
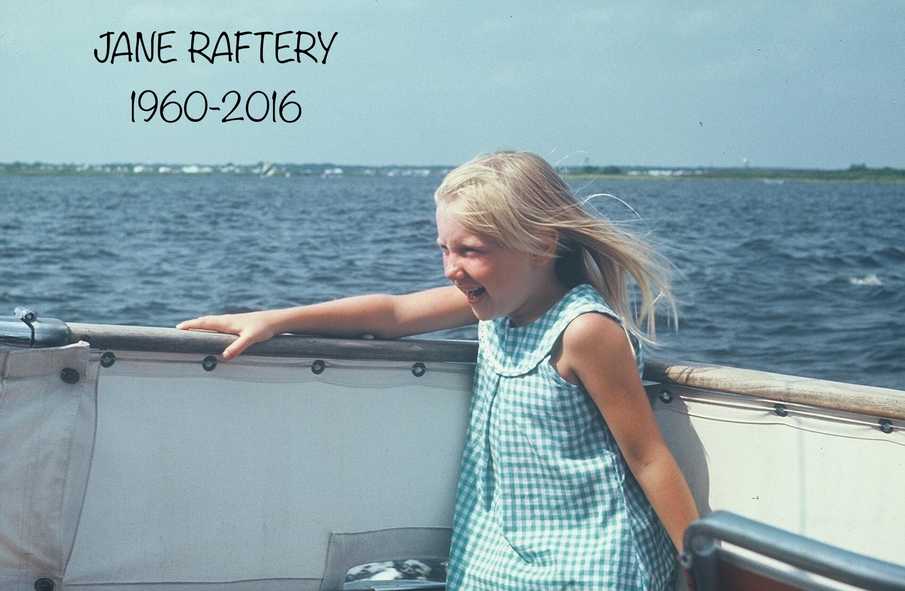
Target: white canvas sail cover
(260, 474)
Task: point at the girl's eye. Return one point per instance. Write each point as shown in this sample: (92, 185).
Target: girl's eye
(464, 251)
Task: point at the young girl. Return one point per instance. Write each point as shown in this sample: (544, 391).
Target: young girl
(565, 479)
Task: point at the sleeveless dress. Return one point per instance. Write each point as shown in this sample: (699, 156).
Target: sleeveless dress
(545, 499)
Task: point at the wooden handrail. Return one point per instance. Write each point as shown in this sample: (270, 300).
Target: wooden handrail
(870, 400)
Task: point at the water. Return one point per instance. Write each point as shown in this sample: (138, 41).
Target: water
(798, 278)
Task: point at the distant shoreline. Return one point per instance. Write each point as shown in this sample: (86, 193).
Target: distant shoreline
(854, 173)
(885, 175)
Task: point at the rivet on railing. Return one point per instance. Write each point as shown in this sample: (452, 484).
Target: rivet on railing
(418, 369)
(209, 363)
(69, 375)
(318, 367)
(780, 410)
(886, 426)
(108, 359)
(666, 396)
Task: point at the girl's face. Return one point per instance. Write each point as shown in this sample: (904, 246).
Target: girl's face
(497, 281)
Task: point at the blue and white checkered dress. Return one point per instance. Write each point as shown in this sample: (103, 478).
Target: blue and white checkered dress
(545, 499)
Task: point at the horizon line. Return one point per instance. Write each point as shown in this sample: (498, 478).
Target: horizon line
(852, 166)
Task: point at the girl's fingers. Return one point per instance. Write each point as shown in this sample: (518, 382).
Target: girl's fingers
(228, 324)
(193, 323)
(213, 323)
(236, 347)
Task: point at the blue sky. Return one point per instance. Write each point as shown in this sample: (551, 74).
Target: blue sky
(799, 84)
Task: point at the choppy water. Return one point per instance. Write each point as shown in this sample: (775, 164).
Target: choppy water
(799, 278)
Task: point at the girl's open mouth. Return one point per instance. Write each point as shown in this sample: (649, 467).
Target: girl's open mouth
(474, 294)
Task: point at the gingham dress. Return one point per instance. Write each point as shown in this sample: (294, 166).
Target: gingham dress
(545, 500)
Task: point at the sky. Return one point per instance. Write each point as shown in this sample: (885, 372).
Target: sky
(794, 84)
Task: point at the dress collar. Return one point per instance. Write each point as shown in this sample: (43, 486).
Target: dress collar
(516, 350)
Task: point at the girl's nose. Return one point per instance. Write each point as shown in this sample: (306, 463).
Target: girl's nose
(451, 268)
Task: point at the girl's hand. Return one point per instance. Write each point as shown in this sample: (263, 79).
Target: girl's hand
(251, 328)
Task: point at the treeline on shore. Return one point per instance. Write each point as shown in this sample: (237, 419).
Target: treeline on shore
(855, 172)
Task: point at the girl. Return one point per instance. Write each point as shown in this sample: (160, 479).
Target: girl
(565, 479)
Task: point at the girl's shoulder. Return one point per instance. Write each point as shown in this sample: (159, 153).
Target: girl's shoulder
(592, 331)
(591, 328)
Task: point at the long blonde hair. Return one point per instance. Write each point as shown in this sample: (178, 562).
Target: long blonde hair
(519, 201)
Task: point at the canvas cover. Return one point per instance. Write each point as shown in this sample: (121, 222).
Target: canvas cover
(260, 474)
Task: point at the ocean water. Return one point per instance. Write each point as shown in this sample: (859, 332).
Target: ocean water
(804, 278)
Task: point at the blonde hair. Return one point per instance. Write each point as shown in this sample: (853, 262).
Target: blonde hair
(520, 202)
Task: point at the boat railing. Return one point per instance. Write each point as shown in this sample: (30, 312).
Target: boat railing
(664, 376)
(756, 556)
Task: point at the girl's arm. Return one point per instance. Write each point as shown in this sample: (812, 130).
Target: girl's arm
(599, 353)
(382, 315)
